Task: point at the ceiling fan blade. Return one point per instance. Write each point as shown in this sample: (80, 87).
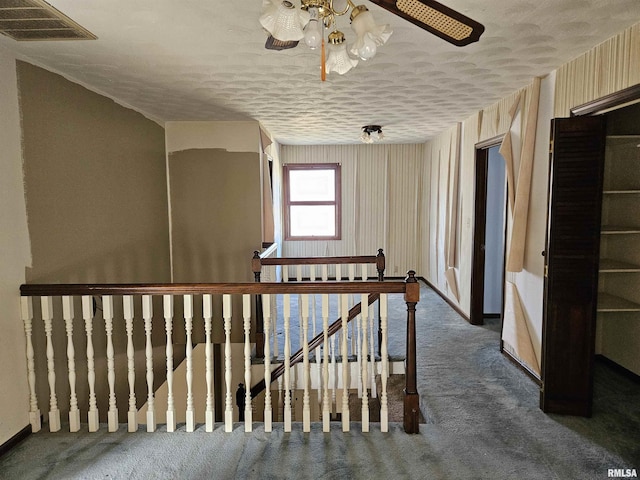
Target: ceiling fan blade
(436, 18)
(273, 43)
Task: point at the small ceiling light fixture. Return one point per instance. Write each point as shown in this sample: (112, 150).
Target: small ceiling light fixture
(371, 133)
(287, 25)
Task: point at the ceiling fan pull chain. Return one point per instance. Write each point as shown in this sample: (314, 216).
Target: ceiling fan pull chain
(323, 69)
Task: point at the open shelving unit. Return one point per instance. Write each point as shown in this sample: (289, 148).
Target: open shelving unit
(619, 268)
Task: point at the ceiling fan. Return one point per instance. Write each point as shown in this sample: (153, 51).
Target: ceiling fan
(287, 25)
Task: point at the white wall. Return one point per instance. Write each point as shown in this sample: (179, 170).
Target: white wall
(530, 281)
(15, 256)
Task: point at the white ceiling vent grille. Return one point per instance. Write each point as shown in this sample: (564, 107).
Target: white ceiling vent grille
(37, 20)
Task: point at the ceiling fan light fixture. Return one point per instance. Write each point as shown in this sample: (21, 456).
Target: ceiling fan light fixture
(369, 35)
(283, 20)
(338, 60)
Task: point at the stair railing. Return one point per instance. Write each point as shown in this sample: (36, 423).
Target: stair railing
(129, 307)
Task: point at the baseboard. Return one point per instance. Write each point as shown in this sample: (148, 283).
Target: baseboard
(618, 368)
(15, 440)
(453, 305)
(521, 366)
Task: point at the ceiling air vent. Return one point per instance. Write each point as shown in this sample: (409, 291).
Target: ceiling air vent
(37, 20)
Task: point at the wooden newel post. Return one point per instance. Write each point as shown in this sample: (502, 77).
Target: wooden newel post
(380, 265)
(256, 266)
(411, 398)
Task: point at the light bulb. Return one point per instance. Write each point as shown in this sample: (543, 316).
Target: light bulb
(368, 49)
(312, 34)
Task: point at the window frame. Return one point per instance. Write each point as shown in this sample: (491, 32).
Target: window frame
(337, 202)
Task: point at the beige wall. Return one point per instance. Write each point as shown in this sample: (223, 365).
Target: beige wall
(95, 185)
(380, 202)
(15, 256)
(215, 214)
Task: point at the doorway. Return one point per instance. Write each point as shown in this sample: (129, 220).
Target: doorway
(487, 281)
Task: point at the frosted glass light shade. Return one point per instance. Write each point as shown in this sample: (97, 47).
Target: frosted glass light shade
(369, 35)
(339, 60)
(283, 20)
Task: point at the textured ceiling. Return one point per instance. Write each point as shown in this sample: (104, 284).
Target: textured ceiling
(205, 60)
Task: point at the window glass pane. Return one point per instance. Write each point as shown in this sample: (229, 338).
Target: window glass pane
(313, 220)
(312, 185)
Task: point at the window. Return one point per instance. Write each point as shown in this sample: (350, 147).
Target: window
(312, 201)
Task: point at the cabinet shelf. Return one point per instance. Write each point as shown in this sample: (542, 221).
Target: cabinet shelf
(608, 265)
(618, 230)
(611, 303)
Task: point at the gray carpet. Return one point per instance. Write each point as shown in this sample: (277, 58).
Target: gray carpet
(482, 416)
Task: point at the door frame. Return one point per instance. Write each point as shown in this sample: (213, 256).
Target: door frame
(479, 230)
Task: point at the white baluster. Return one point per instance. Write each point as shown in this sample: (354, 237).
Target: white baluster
(207, 313)
(384, 410)
(87, 314)
(27, 318)
(47, 317)
(132, 414)
(268, 414)
(287, 362)
(246, 314)
(274, 323)
(300, 313)
(147, 314)
(318, 354)
(167, 301)
(74, 413)
(334, 369)
(226, 314)
(306, 409)
(107, 315)
(364, 272)
(338, 272)
(285, 273)
(325, 273)
(299, 273)
(344, 301)
(190, 414)
(312, 273)
(352, 272)
(364, 302)
(326, 406)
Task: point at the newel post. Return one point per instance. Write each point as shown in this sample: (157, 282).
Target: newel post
(256, 266)
(411, 398)
(380, 265)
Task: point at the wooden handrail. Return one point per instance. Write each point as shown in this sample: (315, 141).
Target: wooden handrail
(313, 343)
(211, 288)
(259, 260)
